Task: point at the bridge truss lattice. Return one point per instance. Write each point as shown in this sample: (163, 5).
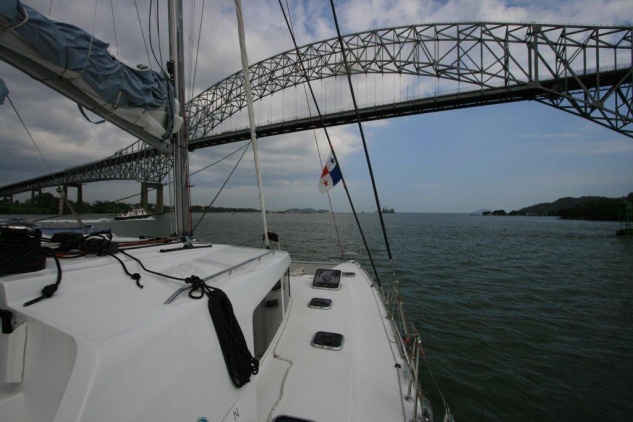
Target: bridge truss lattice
(136, 162)
(583, 70)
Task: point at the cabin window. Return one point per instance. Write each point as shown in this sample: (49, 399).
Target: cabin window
(268, 315)
(286, 289)
(277, 286)
(272, 304)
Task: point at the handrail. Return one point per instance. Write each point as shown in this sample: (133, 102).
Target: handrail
(182, 289)
(238, 265)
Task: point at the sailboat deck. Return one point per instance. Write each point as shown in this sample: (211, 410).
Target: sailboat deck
(369, 385)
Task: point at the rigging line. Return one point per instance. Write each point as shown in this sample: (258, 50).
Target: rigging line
(151, 44)
(138, 15)
(221, 159)
(329, 198)
(92, 30)
(222, 187)
(132, 196)
(116, 42)
(316, 142)
(435, 382)
(160, 49)
(170, 182)
(251, 113)
(32, 140)
(190, 37)
(195, 67)
(327, 135)
(59, 189)
(360, 127)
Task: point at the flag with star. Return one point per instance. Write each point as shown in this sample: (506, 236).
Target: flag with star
(331, 174)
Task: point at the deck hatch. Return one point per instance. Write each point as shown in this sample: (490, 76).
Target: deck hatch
(327, 340)
(320, 303)
(327, 279)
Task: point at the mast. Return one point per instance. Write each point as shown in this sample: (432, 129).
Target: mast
(181, 165)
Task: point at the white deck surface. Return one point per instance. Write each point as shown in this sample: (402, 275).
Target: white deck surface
(360, 382)
(101, 349)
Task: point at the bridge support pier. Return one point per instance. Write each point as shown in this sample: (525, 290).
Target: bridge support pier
(8, 198)
(79, 201)
(145, 187)
(35, 192)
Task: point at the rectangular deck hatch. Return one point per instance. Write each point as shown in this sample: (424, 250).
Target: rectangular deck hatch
(320, 303)
(327, 279)
(327, 340)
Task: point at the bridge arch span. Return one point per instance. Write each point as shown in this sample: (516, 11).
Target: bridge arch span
(584, 70)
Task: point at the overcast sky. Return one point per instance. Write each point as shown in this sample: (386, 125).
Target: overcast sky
(498, 157)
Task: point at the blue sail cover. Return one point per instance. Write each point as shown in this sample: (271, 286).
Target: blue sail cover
(71, 48)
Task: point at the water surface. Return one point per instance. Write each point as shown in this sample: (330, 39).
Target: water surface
(522, 318)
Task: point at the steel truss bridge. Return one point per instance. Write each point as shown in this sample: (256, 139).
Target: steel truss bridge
(583, 70)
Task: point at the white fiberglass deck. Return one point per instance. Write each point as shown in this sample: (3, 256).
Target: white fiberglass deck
(102, 349)
(360, 382)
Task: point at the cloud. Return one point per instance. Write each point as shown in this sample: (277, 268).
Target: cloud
(290, 164)
(620, 146)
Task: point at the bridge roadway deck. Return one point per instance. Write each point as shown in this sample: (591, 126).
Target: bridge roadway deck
(453, 101)
(527, 92)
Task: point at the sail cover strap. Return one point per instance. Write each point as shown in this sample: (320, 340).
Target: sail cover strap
(83, 113)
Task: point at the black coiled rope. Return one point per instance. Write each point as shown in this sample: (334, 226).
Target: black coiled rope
(239, 361)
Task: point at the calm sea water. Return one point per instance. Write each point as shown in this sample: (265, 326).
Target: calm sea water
(522, 318)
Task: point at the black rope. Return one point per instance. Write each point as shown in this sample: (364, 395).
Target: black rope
(136, 276)
(49, 291)
(239, 361)
(327, 135)
(150, 271)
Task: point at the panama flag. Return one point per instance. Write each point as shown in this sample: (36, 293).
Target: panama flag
(331, 174)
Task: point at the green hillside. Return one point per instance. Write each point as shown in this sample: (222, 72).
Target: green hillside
(583, 208)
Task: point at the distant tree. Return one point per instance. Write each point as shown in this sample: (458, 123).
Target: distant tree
(108, 207)
(599, 209)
